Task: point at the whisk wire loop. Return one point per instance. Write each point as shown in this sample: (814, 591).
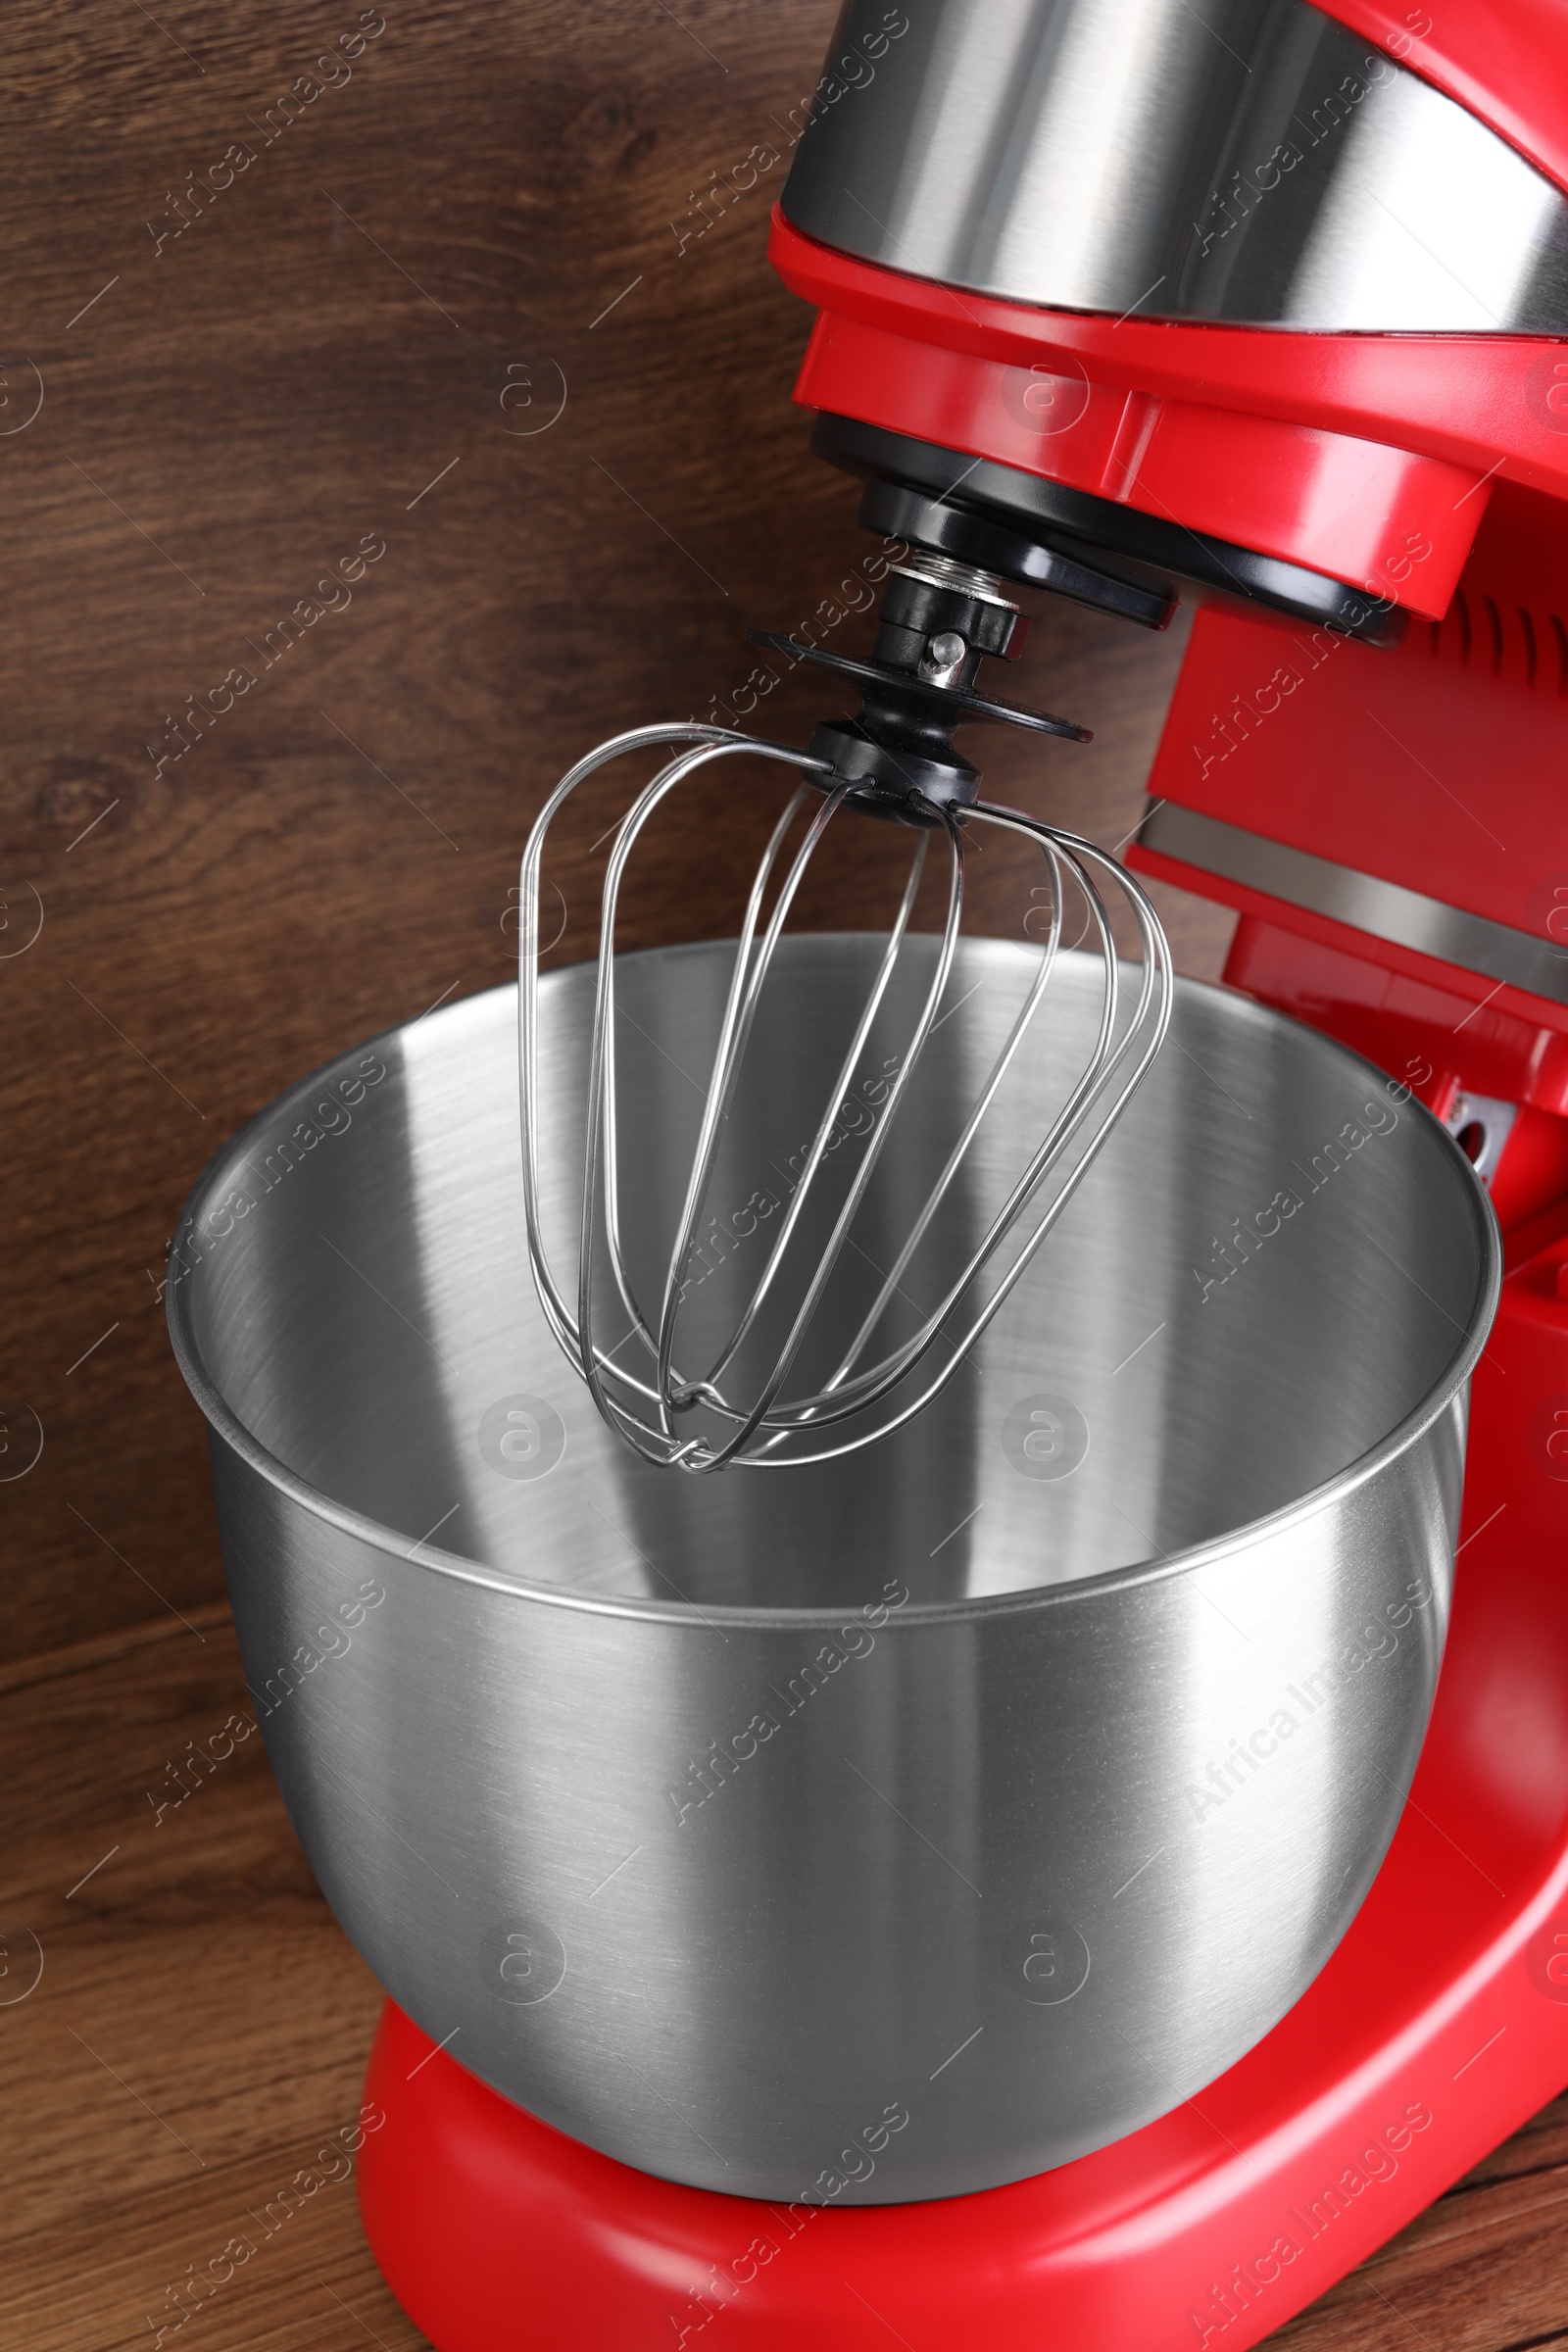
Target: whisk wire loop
(745, 992)
(759, 1416)
(645, 1398)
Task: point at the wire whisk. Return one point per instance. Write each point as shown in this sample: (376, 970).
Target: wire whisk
(772, 1385)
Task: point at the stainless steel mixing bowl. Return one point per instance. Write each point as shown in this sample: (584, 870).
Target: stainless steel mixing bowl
(892, 1829)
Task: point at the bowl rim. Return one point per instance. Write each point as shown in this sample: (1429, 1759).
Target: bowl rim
(223, 1422)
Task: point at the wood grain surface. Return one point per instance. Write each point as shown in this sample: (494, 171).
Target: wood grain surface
(393, 403)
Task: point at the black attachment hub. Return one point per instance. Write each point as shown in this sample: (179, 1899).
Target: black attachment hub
(895, 512)
(939, 622)
(1094, 550)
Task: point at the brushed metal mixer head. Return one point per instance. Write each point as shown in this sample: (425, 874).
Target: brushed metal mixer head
(756, 1372)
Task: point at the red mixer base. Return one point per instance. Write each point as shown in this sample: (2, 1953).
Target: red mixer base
(1437, 2026)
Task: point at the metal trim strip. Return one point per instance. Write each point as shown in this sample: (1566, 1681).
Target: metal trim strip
(1406, 919)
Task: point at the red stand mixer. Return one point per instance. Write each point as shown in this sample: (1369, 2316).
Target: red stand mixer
(1264, 307)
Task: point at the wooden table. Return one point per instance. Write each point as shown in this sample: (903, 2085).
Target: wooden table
(211, 406)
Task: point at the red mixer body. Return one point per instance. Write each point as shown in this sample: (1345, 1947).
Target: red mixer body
(1393, 829)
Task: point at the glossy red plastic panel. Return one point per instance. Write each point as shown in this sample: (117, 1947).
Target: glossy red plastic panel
(1437, 2026)
(1349, 508)
(1370, 457)
(1438, 766)
(1487, 1042)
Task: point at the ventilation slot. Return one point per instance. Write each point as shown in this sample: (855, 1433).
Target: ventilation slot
(1461, 613)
